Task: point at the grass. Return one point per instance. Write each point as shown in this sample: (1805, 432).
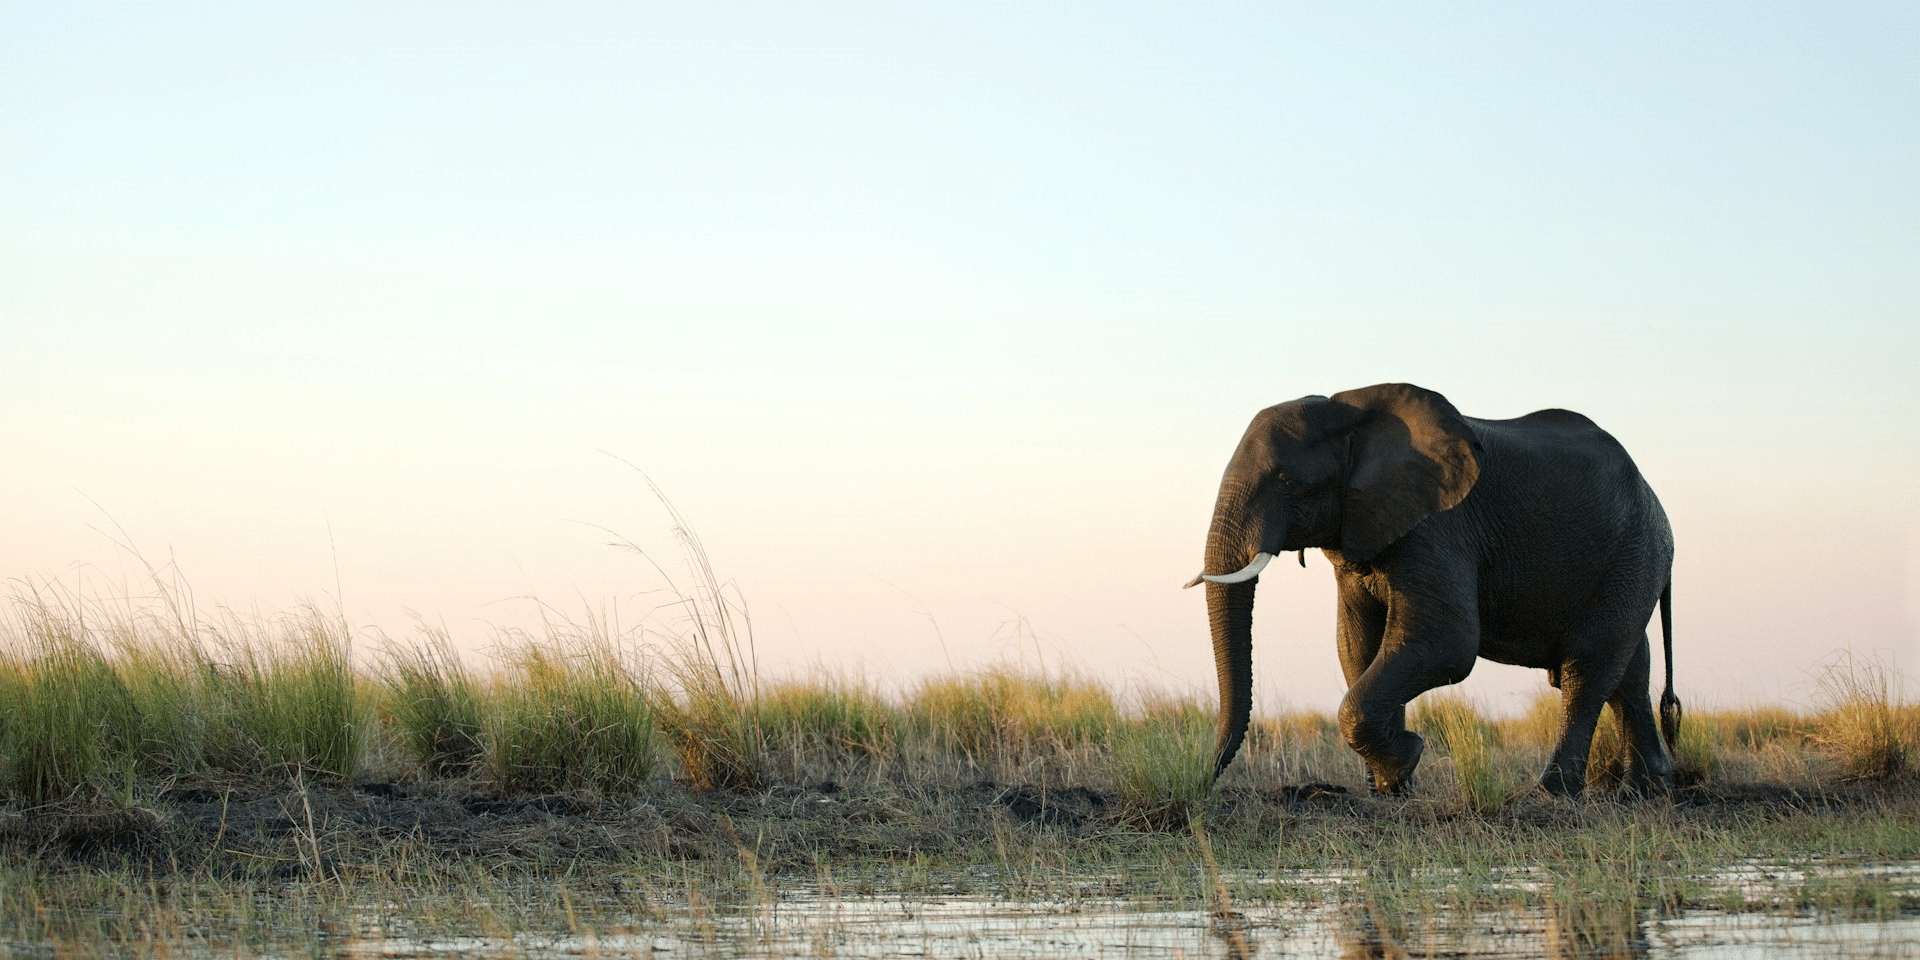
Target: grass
(121, 701)
(293, 694)
(159, 770)
(179, 781)
(435, 706)
(1163, 763)
(570, 711)
(1001, 716)
(71, 726)
(1455, 728)
(829, 723)
(105, 698)
(1859, 720)
(707, 701)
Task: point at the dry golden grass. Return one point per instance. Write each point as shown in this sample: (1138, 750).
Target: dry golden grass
(1859, 720)
(114, 701)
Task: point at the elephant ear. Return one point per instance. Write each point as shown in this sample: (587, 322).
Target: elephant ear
(1412, 457)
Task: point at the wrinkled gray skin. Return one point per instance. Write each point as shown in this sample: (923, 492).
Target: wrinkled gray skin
(1532, 541)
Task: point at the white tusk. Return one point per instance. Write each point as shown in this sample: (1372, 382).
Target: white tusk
(1245, 573)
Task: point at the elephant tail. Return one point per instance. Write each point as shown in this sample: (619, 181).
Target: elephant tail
(1669, 704)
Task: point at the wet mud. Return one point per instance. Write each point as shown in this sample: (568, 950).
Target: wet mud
(280, 831)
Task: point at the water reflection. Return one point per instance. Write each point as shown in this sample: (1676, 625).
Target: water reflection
(1585, 927)
(1364, 935)
(1230, 928)
(1354, 916)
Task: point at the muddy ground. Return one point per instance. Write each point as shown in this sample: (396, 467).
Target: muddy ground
(274, 831)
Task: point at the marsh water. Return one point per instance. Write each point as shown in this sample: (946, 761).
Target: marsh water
(807, 925)
(1763, 912)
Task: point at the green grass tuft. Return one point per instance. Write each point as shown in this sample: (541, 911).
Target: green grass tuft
(1163, 765)
(1001, 712)
(570, 711)
(1454, 726)
(71, 725)
(437, 706)
(1696, 752)
(295, 697)
(828, 721)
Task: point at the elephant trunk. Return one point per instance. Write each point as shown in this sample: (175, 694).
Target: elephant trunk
(1230, 614)
(1242, 537)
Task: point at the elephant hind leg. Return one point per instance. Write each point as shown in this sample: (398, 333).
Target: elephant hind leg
(1585, 687)
(1649, 769)
(1580, 706)
(1614, 670)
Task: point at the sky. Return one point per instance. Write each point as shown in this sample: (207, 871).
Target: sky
(938, 321)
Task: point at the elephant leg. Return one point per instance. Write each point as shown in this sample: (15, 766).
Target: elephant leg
(1362, 625)
(1373, 717)
(1587, 681)
(1649, 769)
(1566, 773)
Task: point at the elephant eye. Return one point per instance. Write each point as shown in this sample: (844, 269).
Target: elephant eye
(1297, 487)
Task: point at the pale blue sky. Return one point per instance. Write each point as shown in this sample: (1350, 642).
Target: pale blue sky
(945, 314)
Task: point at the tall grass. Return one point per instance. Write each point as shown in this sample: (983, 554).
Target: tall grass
(437, 705)
(707, 700)
(70, 724)
(292, 690)
(1696, 753)
(569, 710)
(711, 717)
(124, 698)
(1454, 725)
(829, 722)
(178, 691)
(1002, 712)
(1163, 762)
(102, 694)
(1859, 721)
(1292, 746)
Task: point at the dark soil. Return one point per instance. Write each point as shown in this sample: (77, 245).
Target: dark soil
(279, 832)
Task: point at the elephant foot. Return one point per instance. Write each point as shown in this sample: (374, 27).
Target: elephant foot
(1649, 780)
(1561, 782)
(1392, 769)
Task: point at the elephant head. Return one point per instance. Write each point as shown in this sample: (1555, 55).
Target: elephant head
(1352, 472)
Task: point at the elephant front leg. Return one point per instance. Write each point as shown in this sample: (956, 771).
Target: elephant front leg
(1362, 627)
(1378, 733)
(1373, 715)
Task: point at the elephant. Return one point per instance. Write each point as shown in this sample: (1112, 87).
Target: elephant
(1533, 541)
